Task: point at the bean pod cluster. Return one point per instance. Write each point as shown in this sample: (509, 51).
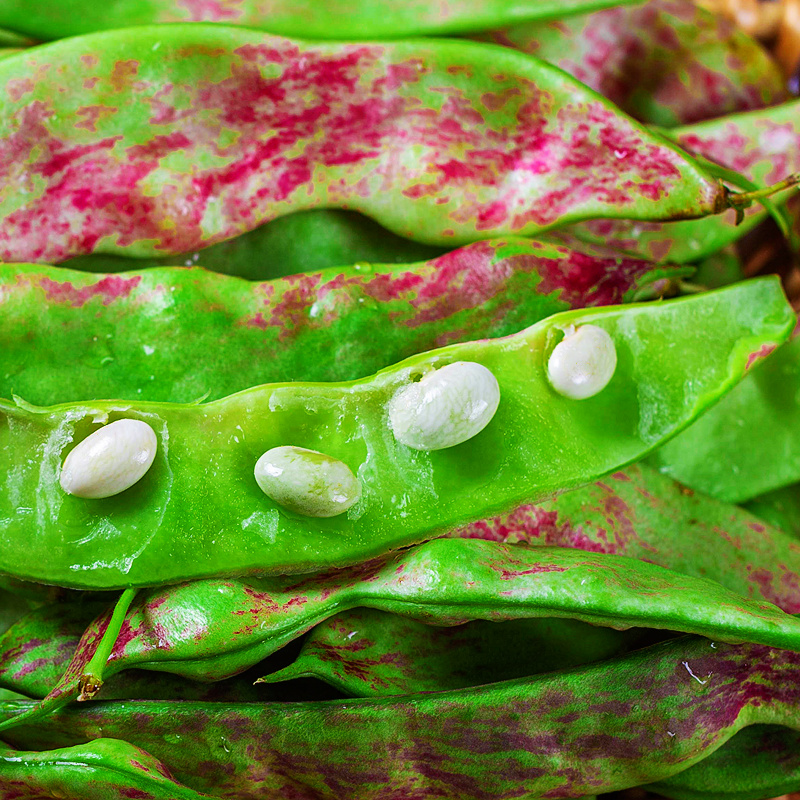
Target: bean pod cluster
(466, 478)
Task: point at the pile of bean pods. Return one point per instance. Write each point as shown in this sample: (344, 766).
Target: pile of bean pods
(389, 407)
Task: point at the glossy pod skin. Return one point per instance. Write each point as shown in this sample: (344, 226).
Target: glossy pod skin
(665, 62)
(104, 769)
(131, 336)
(183, 139)
(338, 19)
(680, 701)
(642, 514)
(37, 648)
(198, 512)
(780, 508)
(761, 418)
(212, 630)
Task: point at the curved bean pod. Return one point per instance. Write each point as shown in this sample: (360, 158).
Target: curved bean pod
(641, 514)
(332, 19)
(211, 630)
(184, 137)
(762, 145)
(762, 761)
(37, 648)
(104, 769)
(181, 521)
(34, 650)
(367, 653)
(724, 453)
(65, 336)
(680, 700)
(666, 62)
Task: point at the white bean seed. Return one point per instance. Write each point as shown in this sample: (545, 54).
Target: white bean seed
(307, 482)
(110, 460)
(582, 363)
(445, 408)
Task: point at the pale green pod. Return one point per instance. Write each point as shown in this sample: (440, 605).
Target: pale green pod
(110, 460)
(582, 363)
(447, 407)
(307, 482)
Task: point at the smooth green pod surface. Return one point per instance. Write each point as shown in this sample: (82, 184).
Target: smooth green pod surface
(198, 511)
(680, 701)
(66, 336)
(725, 452)
(177, 136)
(333, 19)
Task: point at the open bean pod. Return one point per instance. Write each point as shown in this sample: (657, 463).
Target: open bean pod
(724, 453)
(199, 512)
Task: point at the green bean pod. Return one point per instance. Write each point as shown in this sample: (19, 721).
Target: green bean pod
(724, 453)
(665, 62)
(761, 145)
(199, 512)
(169, 138)
(333, 19)
(37, 648)
(66, 336)
(680, 701)
(366, 653)
(762, 761)
(642, 514)
(780, 508)
(104, 769)
(211, 630)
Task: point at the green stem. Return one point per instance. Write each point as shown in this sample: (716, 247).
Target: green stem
(92, 677)
(744, 199)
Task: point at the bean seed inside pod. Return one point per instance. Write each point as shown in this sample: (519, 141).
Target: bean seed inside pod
(445, 408)
(307, 482)
(582, 363)
(110, 460)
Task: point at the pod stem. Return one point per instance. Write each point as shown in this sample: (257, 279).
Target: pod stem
(741, 200)
(92, 676)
